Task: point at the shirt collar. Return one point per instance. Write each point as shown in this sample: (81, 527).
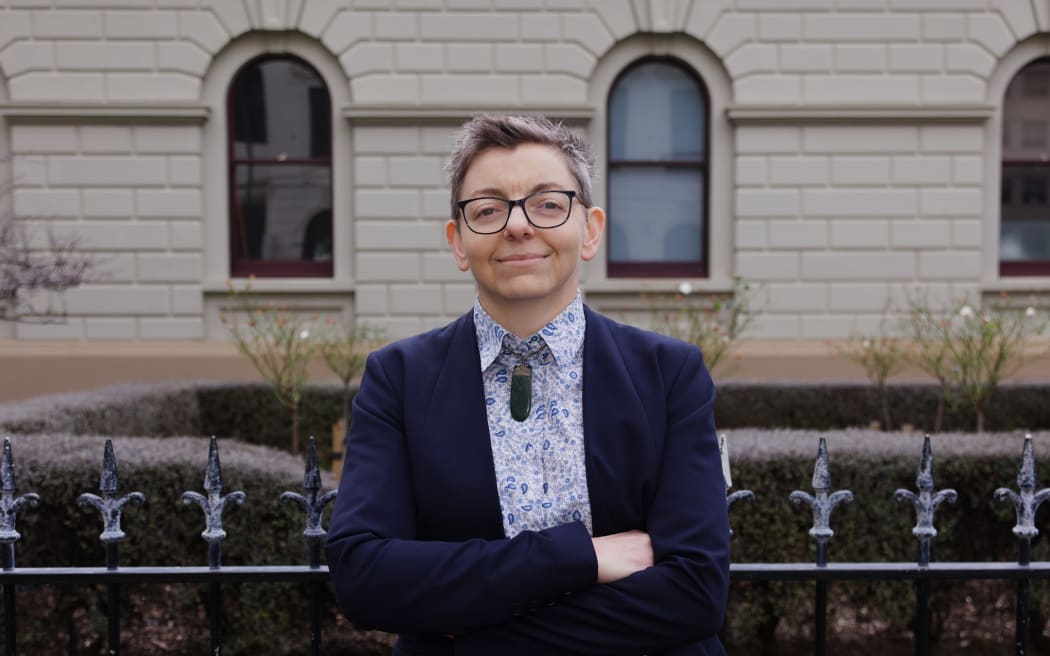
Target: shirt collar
(563, 335)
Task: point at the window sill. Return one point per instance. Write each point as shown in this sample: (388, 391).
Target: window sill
(281, 285)
(657, 285)
(1017, 285)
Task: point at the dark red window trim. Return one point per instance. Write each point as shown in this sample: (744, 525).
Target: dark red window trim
(1023, 267)
(664, 268)
(240, 266)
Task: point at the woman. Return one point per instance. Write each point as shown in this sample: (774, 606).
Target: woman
(532, 478)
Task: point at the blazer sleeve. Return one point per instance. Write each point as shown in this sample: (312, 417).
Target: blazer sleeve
(385, 578)
(682, 598)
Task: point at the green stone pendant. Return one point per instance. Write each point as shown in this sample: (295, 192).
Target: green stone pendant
(521, 392)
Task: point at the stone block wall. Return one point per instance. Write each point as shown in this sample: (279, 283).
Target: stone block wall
(856, 143)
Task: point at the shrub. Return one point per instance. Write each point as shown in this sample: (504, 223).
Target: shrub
(713, 325)
(259, 618)
(245, 411)
(278, 343)
(971, 351)
(156, 409)
(838, 405)
(249, 412)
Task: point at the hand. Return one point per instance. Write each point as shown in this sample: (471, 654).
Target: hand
(622, 554)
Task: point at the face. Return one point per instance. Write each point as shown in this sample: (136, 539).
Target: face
(523, 267)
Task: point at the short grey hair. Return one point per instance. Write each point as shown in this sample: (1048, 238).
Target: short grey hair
(486, 131)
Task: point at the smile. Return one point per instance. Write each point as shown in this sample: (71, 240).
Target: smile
(521, 258)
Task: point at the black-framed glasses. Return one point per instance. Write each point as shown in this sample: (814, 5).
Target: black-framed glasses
(488, 215)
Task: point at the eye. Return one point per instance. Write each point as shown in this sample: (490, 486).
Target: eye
(485, 209)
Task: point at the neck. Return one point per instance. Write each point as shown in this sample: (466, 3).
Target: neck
(524, 318)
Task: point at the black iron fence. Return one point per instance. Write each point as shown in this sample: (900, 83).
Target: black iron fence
(110, 503)
(822, 501)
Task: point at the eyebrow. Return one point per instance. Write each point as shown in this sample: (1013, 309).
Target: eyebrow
(494, 191)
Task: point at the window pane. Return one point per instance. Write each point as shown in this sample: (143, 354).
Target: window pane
(280, 109)
(655, 214)
(656, 112)
(1026, 112)
(1025, 213)
(283, 212)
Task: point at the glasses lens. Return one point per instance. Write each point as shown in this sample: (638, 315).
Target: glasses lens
(486, 214)
(548, 209)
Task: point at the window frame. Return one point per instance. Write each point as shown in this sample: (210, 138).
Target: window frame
(1017, 268)
(663, 269)
(243, 267)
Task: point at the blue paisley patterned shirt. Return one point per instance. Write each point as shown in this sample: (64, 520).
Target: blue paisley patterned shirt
(540, 468)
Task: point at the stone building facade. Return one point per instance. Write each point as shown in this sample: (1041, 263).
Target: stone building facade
(849, 150)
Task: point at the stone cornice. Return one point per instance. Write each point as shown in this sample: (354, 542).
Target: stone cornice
(790, 114)
(457, 114)
(40, 112)
(43, 112)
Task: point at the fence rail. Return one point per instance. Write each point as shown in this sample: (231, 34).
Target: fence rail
(822, 502)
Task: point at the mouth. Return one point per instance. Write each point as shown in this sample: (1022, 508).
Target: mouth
(521, 258)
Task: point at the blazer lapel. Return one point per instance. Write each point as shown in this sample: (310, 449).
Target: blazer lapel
(457, 424)
(611, 415)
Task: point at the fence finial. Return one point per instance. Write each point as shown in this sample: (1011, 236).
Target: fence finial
(109, 504)
(925, 502)
(821, 502)
(1026, 500)
(10, 503)
(310, 503)
(215, 503)
(739, 495)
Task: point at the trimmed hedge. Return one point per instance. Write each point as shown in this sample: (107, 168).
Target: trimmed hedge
(838, 405)
(244, 411)
(259, 618)
(154, 410)
(252, 414)
(249, 411)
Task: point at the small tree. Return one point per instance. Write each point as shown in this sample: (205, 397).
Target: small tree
(27, 270)
(986, 349)
(881, 356)
(713, 328)
(345, 350)
(929, 349)
(970, 351)
(278, 343)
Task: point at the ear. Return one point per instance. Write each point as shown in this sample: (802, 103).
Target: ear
(593, 229)
(455, 242)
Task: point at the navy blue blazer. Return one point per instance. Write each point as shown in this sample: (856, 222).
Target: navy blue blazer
(416, 543)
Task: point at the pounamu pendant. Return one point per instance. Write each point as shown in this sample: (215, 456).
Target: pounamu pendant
(521, 392)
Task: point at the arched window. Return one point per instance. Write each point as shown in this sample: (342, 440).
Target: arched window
(1024, 244)
(657, 187)
(280, 170)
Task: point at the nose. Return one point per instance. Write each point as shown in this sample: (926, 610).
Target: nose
(517, 223)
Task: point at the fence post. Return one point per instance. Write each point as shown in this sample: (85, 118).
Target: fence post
(926, 503)
(110, 505)
(10, 504)
(822, 504)
(1026, 503)
(213, 506)
(314, 533)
